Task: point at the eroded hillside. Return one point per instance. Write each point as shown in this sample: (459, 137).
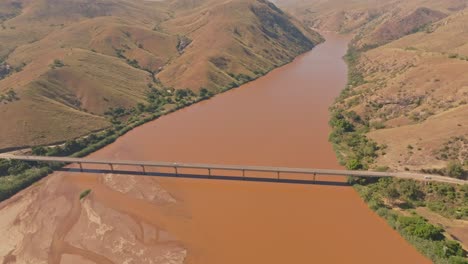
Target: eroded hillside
(81, 58)
(374, 22)
(407, 89)
(415, 94)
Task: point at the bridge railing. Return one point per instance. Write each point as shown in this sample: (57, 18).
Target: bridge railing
(210, 167)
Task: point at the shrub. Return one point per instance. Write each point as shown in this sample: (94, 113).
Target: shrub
(17, 167)
(453, 248)
(354, 164)
(392, 193)
(84, 193)
(39, 151)
(57, 64)
(378, 125)
(205, 93)
(14, 184)
(382, 168)
(411, 190)
(458, 260)
(134, 63)
(339, 123)
(455, 169)
(417, 226)
(4, 166)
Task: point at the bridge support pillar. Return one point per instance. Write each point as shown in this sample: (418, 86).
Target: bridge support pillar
(176, 172)
(143, 168)
(243, 174)
(314, 176)
(278, 175)
(111, 166)
(209, 172)
(81, 167)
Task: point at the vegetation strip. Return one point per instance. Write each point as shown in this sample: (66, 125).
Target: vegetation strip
(396, 199)
(18, 175)
(84, 194)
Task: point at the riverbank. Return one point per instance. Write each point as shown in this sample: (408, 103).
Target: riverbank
(400, 202)
(161, 101)
(356, 151)
(277, 120)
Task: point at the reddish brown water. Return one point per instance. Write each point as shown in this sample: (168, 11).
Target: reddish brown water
(278, 120)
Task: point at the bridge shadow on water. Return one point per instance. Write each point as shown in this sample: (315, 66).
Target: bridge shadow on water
(207, 177)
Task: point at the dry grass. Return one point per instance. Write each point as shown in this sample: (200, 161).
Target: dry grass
(113, 49)
(418, 91)
(375, 21)
(234, 32)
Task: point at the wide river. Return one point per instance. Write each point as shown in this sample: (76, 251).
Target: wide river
(280, 119)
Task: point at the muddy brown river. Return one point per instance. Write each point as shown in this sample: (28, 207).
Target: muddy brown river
(278, 120)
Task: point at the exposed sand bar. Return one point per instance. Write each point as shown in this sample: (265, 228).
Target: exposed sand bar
(278, 120)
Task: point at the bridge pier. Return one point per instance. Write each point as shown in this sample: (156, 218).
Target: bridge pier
(239, 168)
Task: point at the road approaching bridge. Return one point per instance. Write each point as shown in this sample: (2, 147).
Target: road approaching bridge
(210, 167)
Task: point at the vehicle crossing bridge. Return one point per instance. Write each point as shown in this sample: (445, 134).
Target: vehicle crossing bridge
(276, 171)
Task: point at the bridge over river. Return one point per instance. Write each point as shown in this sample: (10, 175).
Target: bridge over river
(276, 172)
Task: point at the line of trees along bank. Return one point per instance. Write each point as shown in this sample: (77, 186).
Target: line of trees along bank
(357, 152)
(353, 148)
(385, 194)
(17, 175)
(160, 101)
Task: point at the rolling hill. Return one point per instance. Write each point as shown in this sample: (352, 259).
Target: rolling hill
(408, 86)
(417, 88)
(373, 22)
(68, 62)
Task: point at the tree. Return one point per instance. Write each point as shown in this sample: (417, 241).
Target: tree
(392, 193)
(354, 164)
(455, 169)
(141, 107)
(71, 146)
(340, 124)
(204, 93)
(4, 165)
(417, 226)
(11, 95)
(17, 167)
(39, 151)
(452, 248)
(411, 190)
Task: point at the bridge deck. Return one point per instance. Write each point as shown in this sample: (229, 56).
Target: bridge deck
(243, 169)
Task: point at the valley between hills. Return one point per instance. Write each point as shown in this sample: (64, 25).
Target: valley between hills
(125, 79)
(407, 86)
(65, 64)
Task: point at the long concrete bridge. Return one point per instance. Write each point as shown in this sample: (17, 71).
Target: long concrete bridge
(277, 171)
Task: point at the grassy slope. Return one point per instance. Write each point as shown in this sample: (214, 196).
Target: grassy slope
(231, 38)
(374, 21)
(411, 94)
(112, 50)
(409, 82)
(416, 92)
